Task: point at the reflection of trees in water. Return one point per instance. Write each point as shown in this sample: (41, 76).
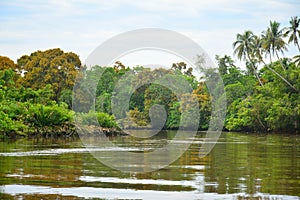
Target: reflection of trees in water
(248, 164)
(254, 164)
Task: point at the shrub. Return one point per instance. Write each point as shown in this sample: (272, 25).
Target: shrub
(41, 115)
(9, 126)
(97, 118)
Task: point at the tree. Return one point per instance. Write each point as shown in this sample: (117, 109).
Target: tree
(26, 111)
(182, 68)
(273, 40)
(293, 32)
(6, 63)
(225, 63)
(297, 60)
(119, 66)
(54, 67)
(243, 47)
(257, 50)
(205, 105)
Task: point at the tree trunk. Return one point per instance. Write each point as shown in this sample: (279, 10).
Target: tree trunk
(298, 45)
(286, 81)
(254, 71)
(280, 61)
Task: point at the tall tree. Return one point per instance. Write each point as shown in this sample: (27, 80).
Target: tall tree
(6, 63)
(272, 40)
(224, 63)
(257, 50)
(297, 60)
(54, 67)
(293, 32)
(243, 48)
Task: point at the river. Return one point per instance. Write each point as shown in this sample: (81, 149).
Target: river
(240, 166)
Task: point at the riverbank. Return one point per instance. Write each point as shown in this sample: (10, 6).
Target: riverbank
(69, 130)
(66, 130)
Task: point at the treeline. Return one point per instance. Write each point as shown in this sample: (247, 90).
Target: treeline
(36, 92)
(140, 97)
(271, 103)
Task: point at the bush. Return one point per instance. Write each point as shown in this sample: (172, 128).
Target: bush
(41, 115)
(97, 118)
(106, 120)
(9, 126)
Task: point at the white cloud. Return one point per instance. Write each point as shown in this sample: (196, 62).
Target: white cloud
(80, 26)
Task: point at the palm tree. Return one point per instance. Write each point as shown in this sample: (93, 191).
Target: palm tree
(243, 47)
(273, 40)
(293, 32)
(257, 50)
(297, 60)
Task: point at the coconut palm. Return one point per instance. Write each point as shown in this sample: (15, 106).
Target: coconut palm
(293, 32)
(243, 47)
(273, 40)
(257, 50)
(297, 60)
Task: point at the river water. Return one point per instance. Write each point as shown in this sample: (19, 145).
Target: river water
(240, 166)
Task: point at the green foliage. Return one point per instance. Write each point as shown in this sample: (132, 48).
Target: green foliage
(103, 103)
(225, 63)
(158, 94)
(248, 114)
(173, 121)
(273, 107)
(139, 118)
(106, 120)
(66, 97)
(235, 91)
(97, 118)
(25, 110)
(189, 109)
(41, 115)
(106, 78)
(7, 78)
(9, 126)
(293, 32)
(282, 115)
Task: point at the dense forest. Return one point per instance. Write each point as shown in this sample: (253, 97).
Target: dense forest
(36, 92)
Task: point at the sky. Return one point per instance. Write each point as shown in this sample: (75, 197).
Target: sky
(82, 25)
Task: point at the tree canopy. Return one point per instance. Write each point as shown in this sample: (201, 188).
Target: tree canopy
(53, 66)
(7, 63)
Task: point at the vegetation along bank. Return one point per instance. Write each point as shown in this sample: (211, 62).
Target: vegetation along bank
(36, 92)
